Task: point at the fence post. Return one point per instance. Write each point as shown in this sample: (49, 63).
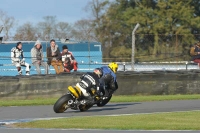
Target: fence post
(124, 66)
(1, 38)
(1, 29)
(133, 46)
(186, 65)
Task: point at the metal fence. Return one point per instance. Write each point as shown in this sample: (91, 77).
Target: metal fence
(155, 48)
(152, 52)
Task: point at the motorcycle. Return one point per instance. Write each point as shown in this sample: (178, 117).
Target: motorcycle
(78, 98)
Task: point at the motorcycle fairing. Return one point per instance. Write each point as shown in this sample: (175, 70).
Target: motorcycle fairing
(75, 91)
(84, 92)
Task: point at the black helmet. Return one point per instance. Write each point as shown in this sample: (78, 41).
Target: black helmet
(64, 47)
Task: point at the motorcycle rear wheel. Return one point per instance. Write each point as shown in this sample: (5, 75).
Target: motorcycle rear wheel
(104, 102)
(61, 104)
(83, 108)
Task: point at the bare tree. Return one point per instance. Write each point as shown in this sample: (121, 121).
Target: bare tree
(97, 8)
(8, 23)
(47, 27)
(83, 30)
(63, 30)
(26, 32)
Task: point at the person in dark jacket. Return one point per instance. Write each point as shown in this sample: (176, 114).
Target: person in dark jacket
(37, 57)
(195, 53)
(54, 57)
(68, 60)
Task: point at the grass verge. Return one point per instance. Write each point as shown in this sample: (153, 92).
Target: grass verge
(128, 98)
(163, 121)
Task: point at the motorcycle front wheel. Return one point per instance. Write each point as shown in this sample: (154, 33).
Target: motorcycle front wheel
(62, 103)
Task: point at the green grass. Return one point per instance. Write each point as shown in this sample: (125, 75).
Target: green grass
(129, 98)
(163, 121)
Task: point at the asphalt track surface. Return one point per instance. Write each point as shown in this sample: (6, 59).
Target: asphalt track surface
(27, 113)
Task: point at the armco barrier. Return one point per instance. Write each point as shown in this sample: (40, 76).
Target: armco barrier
(130, 83)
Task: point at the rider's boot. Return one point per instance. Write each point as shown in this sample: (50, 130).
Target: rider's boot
(106, 93)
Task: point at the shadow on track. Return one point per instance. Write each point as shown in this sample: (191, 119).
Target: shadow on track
(108, 107)
(121, 104)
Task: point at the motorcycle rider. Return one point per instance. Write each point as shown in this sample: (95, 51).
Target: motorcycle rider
(109, 79)
(89, 81)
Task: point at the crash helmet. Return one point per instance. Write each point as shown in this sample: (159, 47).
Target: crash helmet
(98, 72)
(113, 66)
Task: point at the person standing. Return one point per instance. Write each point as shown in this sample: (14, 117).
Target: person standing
(18, 59)
(68, 60)
(54, 57)
(195, 53)
(37, 58)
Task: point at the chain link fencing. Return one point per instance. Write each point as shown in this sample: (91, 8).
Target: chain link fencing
(152, 52)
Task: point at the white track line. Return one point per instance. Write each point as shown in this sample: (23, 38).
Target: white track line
(7, 122)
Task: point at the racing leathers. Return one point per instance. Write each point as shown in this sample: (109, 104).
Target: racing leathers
(108, 81)
(18, 60)
(69, 61)
(89, 81)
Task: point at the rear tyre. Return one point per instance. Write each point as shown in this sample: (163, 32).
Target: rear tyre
(83, 108)
(62, 103)
(104, 102)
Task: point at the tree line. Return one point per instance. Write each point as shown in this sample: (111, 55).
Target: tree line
(172, 25)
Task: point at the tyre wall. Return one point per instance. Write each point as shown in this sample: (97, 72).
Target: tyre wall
(130, 83)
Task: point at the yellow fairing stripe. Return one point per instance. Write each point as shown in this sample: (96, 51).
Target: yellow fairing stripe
(73, 91)
(78, 89)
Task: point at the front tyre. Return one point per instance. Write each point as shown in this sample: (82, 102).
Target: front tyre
(104, 102)
(62, 103)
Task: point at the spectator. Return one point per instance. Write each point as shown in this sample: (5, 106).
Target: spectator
(54, 57)
(37, 56)
(195, 53)
(18, 59)
(68, 60)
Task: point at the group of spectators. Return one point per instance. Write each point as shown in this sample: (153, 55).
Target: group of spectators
(63, 61)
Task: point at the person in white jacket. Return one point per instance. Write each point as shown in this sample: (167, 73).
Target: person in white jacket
(18, 59)
(37, 58)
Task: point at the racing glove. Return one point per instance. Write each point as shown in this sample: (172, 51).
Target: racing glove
(22, 61)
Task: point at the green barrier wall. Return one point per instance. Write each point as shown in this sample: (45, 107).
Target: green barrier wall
(130, 83)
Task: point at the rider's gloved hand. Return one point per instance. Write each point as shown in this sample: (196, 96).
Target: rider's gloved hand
(22, 61)
(98, 92)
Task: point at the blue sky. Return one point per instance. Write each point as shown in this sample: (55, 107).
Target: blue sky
(34, 10)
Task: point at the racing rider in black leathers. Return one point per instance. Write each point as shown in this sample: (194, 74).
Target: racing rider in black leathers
(109, 79)
(90, 80)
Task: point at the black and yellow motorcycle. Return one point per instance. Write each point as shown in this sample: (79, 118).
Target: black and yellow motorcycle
(78, 98)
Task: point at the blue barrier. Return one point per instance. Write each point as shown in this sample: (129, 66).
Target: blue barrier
(87, 54)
